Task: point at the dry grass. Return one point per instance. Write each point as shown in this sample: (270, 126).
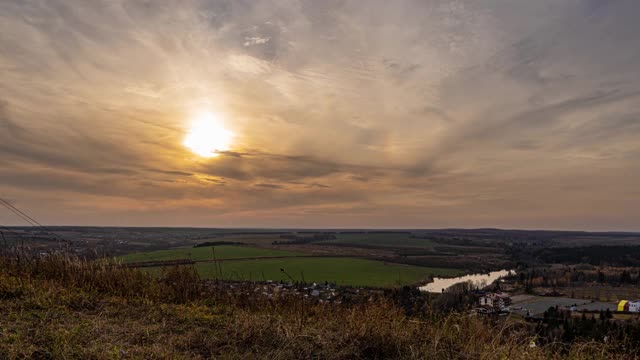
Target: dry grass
(59, 307)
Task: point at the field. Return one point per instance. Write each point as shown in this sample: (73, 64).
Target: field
(258, 264)
(342, 271)
(394, 240)
(206, 253)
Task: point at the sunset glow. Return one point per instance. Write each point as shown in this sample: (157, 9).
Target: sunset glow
(444, 113)
(208, 136)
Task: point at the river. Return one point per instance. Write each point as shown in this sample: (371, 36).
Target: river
(438, 284)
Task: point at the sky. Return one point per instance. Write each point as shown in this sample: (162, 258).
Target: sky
(343, 114)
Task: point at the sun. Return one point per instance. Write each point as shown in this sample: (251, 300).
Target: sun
(207, 136)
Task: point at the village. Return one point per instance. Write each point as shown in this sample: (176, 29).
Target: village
(488, 303)
(533, 307)
(326, 293)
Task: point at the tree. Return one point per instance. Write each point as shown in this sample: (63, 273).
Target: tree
(625, 277)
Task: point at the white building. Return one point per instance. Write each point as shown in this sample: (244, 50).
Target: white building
(495, 301)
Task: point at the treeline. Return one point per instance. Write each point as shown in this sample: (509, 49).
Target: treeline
(290, 239)
(472, 263)
(423, 252)
(594, 255)
(576, 275)
(217, 243)
(559, 326)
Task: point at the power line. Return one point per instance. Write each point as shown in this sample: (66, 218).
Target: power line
(30, 220)
(21, 214)
(25, 219)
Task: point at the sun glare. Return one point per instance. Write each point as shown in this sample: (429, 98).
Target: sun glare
(207, 136)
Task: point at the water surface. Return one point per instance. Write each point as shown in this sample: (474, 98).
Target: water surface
(439, 284)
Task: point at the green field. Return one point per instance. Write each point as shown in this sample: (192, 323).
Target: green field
(206, 253)
(342, 271)
(393, 240)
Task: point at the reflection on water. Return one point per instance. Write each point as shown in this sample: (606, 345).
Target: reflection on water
(477, 279)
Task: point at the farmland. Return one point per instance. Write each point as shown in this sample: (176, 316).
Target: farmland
(394, 240)
(458, 250)
(207, 253)
(259, 264)
(341, 271)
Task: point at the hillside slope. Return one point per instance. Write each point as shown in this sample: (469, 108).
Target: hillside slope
(61, 308)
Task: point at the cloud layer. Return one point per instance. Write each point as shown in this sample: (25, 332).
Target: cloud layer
(346, 113)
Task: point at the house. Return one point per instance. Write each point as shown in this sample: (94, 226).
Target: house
(486, 301)
(495, 301)
(630, 306)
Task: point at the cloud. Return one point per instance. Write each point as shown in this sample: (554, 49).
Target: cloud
(406, 113)
(269, 186)
(255, 40)
(171, 172)
(318, 185)
(8, 127)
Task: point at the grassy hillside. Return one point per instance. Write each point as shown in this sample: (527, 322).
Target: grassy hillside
(57, 308)
(206, 253)
(342, 271)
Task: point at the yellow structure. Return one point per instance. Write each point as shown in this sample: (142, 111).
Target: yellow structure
(622, 305)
